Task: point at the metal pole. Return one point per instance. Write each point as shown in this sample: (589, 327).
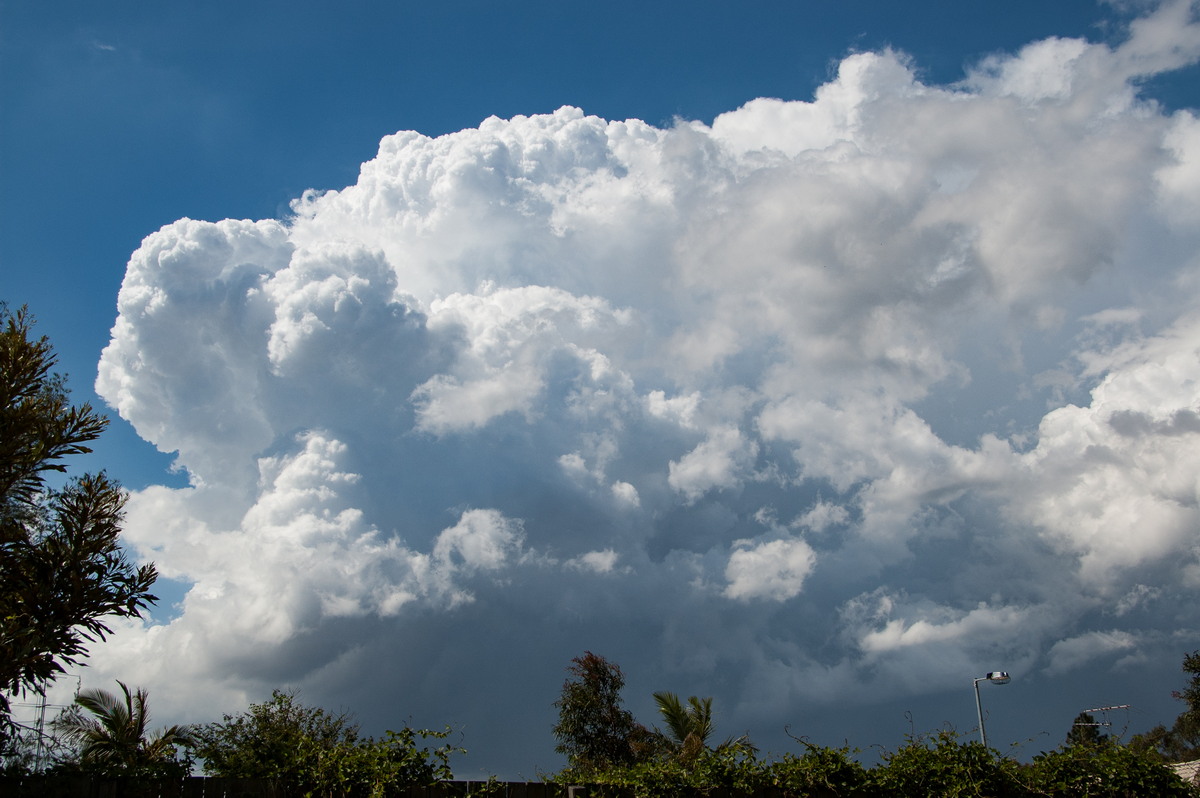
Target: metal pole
(979, 709)
(41, 725)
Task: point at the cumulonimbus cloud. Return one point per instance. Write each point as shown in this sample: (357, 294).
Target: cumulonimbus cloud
(573, 373)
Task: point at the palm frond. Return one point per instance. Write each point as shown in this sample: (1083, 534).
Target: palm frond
(116, 734)
(674, 716)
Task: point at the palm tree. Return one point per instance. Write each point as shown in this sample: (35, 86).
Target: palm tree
(115, 739)
(688, 727)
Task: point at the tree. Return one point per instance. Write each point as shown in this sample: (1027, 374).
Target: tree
(688, 728)
(1180, 742)
(593, 730)
(1085, 731)
(310, 751)
(114, 740)
(271, 740)
(945, 765)
(1102, 770)
(62, 571)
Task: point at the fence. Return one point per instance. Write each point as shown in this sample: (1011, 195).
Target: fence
(205, 787)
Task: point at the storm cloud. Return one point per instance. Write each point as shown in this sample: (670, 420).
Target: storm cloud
(821, 404)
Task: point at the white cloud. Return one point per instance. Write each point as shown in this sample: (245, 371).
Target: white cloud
(899, 633)
(1115, 482)
(482, 539)
(1179, 179)
(626, 494)
(823, 515)
(774, 570)
(601, 562)
(1078, 652)
(948, 332)
(719, 461)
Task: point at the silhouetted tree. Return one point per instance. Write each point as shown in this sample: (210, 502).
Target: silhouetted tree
(594, 731)
(1085, 731)
(1180, 742)
(62, 571)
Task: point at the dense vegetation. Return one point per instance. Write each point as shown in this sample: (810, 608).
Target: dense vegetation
(680, 761)
(313, 752)
(938, 765)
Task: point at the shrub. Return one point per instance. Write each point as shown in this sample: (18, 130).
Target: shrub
(820, 771)
(1105, 769)
(944, 766)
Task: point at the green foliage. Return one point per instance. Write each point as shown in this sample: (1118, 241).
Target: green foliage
(828, 772)
(114, 741)
(688, 730)
(594, 731)
(689, 726)
(939, 766)
(944, 766)
(1161, 743)
(273, 739)
(1104, 769)
(1180, 742)
(61, 569)
(313, 752)
(371, 767)
(732, 769)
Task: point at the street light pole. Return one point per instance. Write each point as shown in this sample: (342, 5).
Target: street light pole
(996, 677)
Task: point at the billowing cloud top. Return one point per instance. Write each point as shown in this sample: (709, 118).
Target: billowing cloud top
(830, 399)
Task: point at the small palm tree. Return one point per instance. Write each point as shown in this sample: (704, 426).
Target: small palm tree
(688, 727)
(115, 738)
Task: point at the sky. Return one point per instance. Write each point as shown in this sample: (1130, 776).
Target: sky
(816, 357)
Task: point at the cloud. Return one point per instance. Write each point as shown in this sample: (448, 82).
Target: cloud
(601, 562)
(825, 402)
(715, 463)
(1077, 652)
(773, 570)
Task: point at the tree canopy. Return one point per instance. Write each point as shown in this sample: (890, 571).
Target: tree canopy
(311, 751)
(687, 727)
(116, 739)
(594, 731)
(62, 571)
(271, 739)
(1085, 730)
(1180, 742)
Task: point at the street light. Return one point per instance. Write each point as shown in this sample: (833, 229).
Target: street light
(995, 677)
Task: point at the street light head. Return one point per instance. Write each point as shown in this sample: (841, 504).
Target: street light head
(998, 677)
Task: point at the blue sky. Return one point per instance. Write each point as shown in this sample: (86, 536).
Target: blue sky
(821, 405)
(124, 118)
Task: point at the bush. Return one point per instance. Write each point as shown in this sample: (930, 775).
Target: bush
(1105, 769)
(944, 766)
(731, 770)
(820, 771)
(937, 766)
(312, 752)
